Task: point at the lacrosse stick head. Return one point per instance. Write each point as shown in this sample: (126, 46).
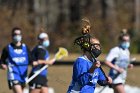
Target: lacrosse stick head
(62, 52)
(83, 42)
(85, 26)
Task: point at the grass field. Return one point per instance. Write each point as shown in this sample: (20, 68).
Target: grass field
(60, 76)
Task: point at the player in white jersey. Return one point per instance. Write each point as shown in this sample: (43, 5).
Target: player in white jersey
(118, 60)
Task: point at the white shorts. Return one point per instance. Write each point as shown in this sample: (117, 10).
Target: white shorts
(121, 78)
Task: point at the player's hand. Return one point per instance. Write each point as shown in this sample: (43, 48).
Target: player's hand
(97, 64)
(35, 63)
(120, 70)
(94, 66)
(109, 80)
(4, 66)
(131, 66)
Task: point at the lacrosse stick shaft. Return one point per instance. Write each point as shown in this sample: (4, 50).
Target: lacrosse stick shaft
(37, 73)
(103, 73)
(102, 89)
(100, 67)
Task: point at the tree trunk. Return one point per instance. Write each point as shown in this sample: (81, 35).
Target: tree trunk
(111, 19)
(40, 11)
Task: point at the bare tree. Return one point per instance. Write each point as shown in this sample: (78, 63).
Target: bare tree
(74, 10)
(110, 18)
(137, 15)
(40, 11)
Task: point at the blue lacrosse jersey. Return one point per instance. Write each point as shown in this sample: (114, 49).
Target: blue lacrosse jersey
(17, 63)
(82, 80)
(38, 67)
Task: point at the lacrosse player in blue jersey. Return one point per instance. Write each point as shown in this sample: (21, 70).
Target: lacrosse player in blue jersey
(15, 58)
(86, 72)
(40, 56)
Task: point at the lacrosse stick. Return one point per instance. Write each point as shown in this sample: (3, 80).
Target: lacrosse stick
(62, 52)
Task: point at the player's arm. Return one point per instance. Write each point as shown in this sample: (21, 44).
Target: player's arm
(49, 62)
(113, 54)
(40, 54)
(109, 64)
(4, 56)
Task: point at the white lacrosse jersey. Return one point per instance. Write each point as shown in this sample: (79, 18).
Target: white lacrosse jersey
(120, 58)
